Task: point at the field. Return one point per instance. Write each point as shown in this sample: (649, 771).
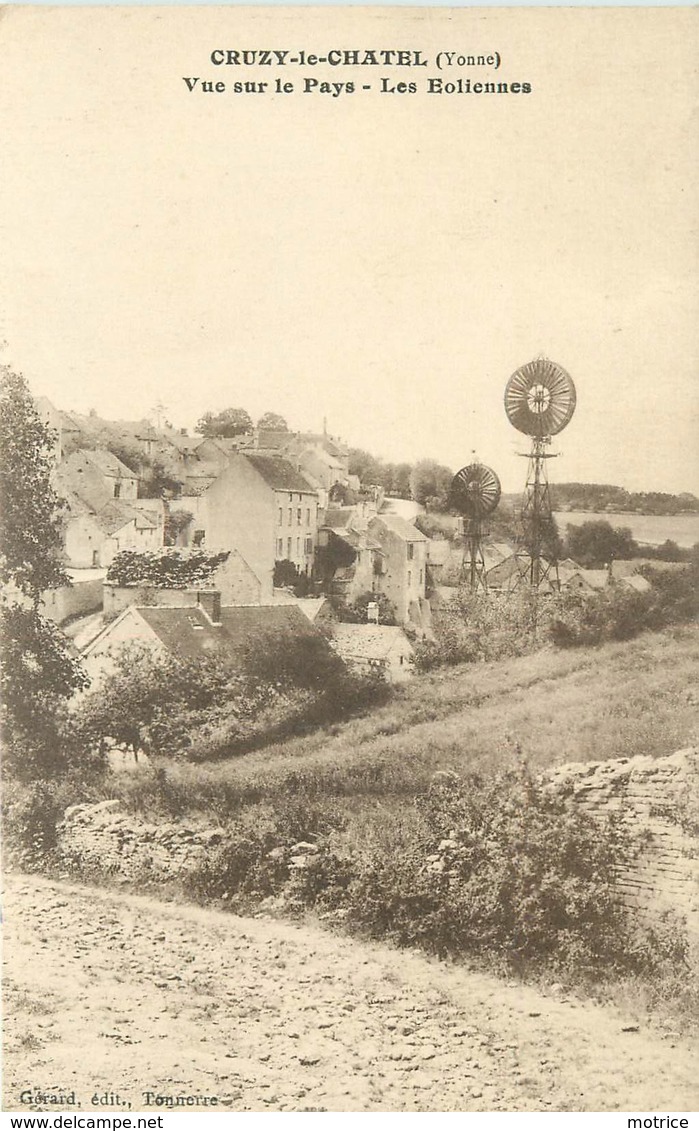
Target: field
(554, 706)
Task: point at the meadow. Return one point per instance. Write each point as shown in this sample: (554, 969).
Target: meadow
(548, 708)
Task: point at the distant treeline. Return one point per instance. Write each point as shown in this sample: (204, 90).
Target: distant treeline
(599, 497)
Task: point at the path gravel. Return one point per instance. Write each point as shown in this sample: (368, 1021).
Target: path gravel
(121, 994)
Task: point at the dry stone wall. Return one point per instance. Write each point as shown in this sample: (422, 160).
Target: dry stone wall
(659, 799)
(105, 839)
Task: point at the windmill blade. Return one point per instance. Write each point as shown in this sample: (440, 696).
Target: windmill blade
(540, 398)
(475, 490)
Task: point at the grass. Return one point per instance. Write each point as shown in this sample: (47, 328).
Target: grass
(616, 700)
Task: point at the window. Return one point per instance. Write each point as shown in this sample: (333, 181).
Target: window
(290, 515)
(410, 578)
(308, 516)
(411, 551)
(421, 577)
(95, 557)
(288, 548)
(117, 490)
(291, 496)
(281, 516)
(308, 546)
(299, 512)
(298, 547)
(280, 548)
(198, 538)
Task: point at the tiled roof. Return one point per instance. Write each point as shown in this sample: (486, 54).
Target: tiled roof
(279, 473)
(273, 439)
(369, 641)
(108, 463)
(401, 527)
(243, 629)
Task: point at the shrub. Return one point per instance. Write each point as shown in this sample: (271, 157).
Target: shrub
(477, 626)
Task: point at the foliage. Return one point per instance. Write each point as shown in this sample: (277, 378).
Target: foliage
(159, 701)
(430, 483)
(594, 544)
(230, 422)
(175, 523)
(617, 613)
(30, 538)
(170, 569)
(272, 422)
(38, 673)
(478, 626)
(357, 611)
(504, 868)
(604, 496)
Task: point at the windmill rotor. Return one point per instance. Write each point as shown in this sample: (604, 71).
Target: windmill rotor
(475, 491)
(540, 398)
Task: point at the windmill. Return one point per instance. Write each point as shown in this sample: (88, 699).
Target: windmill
(475, 493)
(539, 401)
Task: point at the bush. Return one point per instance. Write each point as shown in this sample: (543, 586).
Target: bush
(619, 614)
(478, 626)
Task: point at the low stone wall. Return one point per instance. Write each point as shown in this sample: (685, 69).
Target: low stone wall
(105, 838)
(659, 799)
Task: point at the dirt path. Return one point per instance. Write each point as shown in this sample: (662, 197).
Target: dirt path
(108, 993)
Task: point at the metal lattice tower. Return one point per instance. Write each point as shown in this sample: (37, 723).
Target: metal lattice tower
(539, 401)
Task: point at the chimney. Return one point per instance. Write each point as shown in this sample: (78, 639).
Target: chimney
(209, 601)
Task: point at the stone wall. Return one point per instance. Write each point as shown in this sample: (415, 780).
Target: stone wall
(105, 838)
(659, 799)
(79, 599)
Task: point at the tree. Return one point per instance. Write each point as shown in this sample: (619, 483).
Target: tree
(272, 422)
(230, 422)
(38, 672)
(429, 483)
(30, 530)
(369, 470)
(595, 544)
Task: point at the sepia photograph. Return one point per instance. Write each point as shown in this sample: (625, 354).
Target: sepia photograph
(349, 549)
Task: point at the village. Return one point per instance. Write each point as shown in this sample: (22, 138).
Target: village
(271, 535)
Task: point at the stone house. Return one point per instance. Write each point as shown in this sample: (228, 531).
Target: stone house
(403, 566)
(349, 558)
(198, 631)
(375, 647)
(260, 505)
(93, 537)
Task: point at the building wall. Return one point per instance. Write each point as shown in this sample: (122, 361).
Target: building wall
(234, 580)
(403, 576)
(241, 515)
(83, 542)
(296, 528)
(131, 629)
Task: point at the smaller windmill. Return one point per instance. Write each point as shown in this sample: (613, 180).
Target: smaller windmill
(475, 493)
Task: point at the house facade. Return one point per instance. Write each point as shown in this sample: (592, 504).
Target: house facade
(402, 576)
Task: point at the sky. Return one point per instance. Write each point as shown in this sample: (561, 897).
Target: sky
(383, 261)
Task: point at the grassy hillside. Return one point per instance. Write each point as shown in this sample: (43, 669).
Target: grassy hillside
(617, 700)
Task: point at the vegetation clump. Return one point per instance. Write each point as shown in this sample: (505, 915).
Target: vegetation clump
(166, 569)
